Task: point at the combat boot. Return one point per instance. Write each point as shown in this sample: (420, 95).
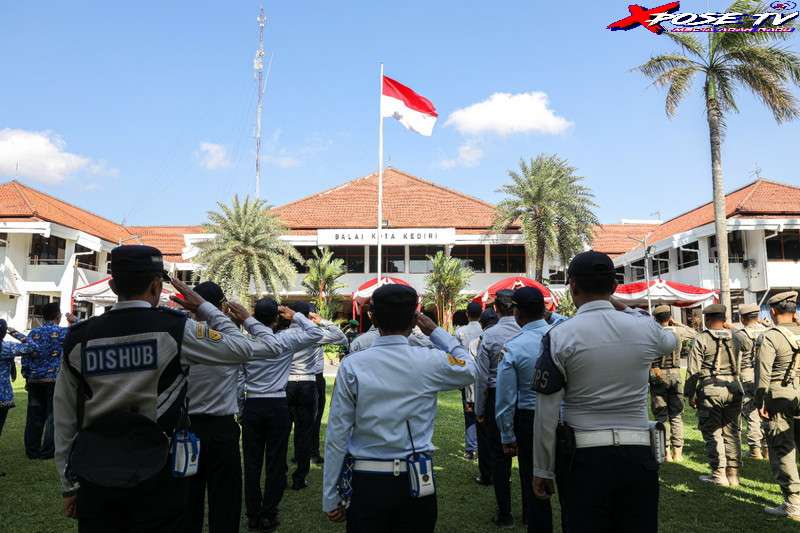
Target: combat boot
(792, 512)
(668, 456)
(732, 473)
(718, 477)
(755, 453)
(677, 455)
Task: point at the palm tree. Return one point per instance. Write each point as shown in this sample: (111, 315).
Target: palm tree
(551, 205)
(321, 281)
(246, 251)
(724, 63)
(448, 277)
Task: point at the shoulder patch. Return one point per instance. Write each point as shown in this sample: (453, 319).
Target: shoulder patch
(214, 335)
(455, 361)
(201, 330)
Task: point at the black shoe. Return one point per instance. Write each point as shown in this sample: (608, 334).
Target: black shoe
(469, 456)
(299, 485)
(504, 522)
(317, 460)
(485, 482)
(268, 525)
(254, 524)
(294, 460)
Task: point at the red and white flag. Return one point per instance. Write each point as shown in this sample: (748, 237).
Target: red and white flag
(412, 110)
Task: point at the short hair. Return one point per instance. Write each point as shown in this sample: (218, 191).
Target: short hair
(460, 318)
(51, 311)
(595, 283)
(474, 310)
(129, 284)
(662, 317)
(211, 292)
(715, 316)
(786, 306)
(750, 316)
(266, 311)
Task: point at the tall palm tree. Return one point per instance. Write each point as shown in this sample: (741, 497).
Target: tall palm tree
(725, 63)
(321, 282)
(448, 277)
(552, 206)
(246, 251)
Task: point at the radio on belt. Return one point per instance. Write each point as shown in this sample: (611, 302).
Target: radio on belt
(420, 471)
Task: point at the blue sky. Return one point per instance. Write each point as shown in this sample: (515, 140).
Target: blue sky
(145, 111)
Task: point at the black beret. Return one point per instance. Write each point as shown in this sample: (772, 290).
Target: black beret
(504, 297)
(266, 310)
(394, 294)
(474, 308)
(528, 298)
(299, 307)
(211, 292)
(590, 263)
(137, 258)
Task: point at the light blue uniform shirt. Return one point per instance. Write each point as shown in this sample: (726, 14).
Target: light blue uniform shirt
(310, 360)
(490, 350)
(377, 390)
(365, 340)
(515, 376)
(466, 334)
(556, 319)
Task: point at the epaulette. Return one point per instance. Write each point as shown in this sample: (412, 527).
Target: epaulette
(170, 311)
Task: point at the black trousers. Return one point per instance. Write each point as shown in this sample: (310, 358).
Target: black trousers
(485, 457)
(381, 503)
(501, 463)
(156, 506)
(321, 385)
(219, 473)
(613, 489)
(302, 398)
(3, 416)
(538, 513)
(265, 439)
(39, 422)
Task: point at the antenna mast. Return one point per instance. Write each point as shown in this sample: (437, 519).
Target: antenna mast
(258, 67)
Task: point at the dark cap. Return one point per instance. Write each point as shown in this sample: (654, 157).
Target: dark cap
(662, 310)
(211, 292)
(778, 298)
(474, 309)
(137, 258)
(748, 309)
(590, 263)
(299, 307)
(504, 297)
(488, 318)
(715, 309)
(394, 294)
(528, 299)
(266, 310)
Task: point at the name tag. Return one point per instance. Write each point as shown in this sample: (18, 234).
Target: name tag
(119, 358)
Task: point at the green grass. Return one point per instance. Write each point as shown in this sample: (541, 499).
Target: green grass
(30, 499)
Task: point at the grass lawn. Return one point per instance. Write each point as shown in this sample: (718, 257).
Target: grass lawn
(30, 501)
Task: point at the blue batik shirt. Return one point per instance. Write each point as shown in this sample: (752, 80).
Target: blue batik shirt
(8, 352)
(43, 362)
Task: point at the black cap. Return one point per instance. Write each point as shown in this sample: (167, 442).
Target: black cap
(266, 310)
(300, 307)
(529, 299)
(488, 318)
(137, 258)
(211, 292)
(474, 309)
(504, 297)
(394, 294)
(590, 263)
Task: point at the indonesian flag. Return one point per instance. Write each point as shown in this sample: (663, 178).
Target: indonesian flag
(412, 110)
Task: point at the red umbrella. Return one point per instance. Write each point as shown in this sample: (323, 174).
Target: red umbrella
(513, 283)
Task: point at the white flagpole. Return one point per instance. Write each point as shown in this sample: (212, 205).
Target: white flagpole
(380, 172)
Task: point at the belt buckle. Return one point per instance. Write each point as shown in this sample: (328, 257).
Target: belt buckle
(615, 440)
(396, 470)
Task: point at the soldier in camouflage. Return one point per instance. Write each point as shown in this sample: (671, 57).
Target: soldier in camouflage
(747, 337)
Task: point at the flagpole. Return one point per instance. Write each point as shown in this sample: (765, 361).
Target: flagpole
(380, 172)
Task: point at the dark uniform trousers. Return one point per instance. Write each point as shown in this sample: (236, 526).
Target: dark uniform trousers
(159, 505)
(39, 423)
(501, 463)
(302, 398)
(485, 459)
(381, 503)
(219, 472)
(3, 416)
(537, 513)
(613, 489)
(320, 411)
(265, 439)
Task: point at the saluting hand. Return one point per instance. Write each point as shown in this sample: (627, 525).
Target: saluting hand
(191, 301)
(285, 312)
(337, 515)
(426, 325)
(314, 317)
(238, 312)
(71, 319)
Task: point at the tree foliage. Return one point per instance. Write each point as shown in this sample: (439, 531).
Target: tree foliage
(321, 282)
(448, 277)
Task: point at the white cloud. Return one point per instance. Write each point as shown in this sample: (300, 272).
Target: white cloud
(42, 156)
(281, 157)
(282, 161)
(506, 113)
(469, 155)
(212, 156)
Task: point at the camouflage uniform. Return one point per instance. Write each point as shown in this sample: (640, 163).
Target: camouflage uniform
(666, 389)
(778, 389)
(746, 338)
(713, 382)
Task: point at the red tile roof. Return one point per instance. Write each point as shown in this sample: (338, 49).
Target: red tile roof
(18, 200)
(168, 239)
(408, 202)
(616, 239)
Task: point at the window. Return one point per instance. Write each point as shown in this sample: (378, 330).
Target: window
(353, 257)
(737, 299)
(35, 304)
(688, 255)
(186, 276)
(3, 240)
(306, 252)
(418, 258)
(507, 258)
(47, 251)
(473, 257)
(393, 259)
(88, 261)
(83, 310)
(784, 246)
(637, 270)
(557, 276)
(660, 263)
(619, 273)
(735, 248)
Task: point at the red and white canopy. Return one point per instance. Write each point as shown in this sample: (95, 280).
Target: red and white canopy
(364, 292)
(664, 292)
(100, 293)
(513, 283)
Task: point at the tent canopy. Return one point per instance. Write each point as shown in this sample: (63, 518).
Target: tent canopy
(364, 292)
(100, 293)
(664, 292)
(513, 283)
